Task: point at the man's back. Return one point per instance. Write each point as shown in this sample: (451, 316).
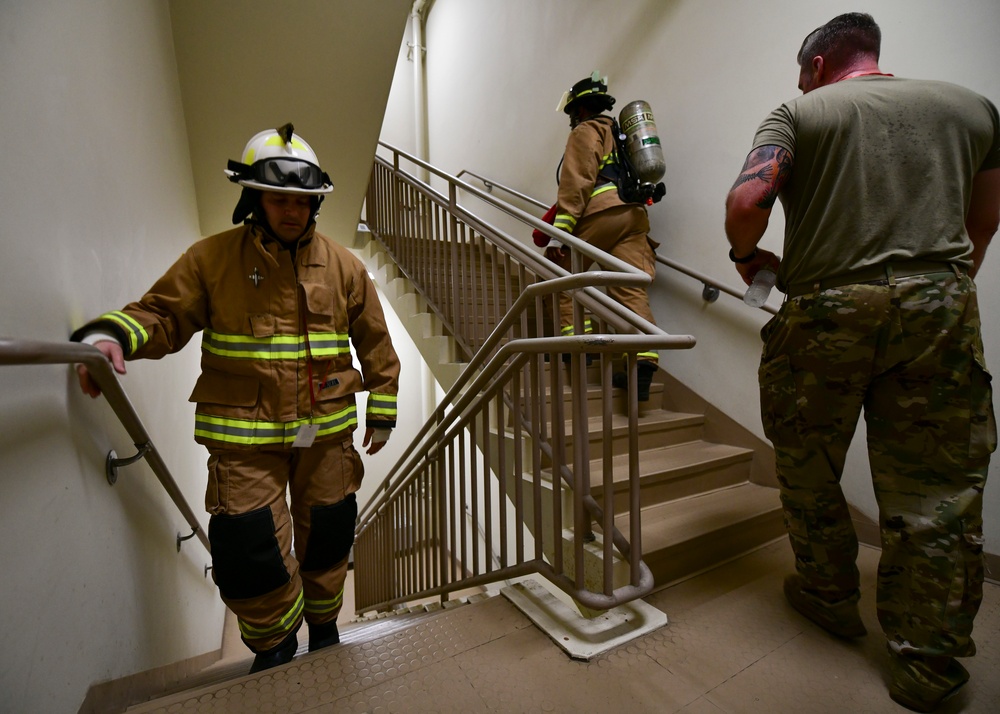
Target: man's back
(883, 171)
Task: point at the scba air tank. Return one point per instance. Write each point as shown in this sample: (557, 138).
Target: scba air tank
(642, 140)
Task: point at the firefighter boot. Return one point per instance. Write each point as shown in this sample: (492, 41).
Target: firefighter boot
(646, 370)
(277, 655)
(324, 635)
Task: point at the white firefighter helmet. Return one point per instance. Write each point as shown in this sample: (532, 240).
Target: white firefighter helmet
(277, 160)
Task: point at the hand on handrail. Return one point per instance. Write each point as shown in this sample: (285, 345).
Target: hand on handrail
(114, 353)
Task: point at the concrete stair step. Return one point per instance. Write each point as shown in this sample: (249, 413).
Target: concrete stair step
(655, 428)
(675, 472)
(690, 535)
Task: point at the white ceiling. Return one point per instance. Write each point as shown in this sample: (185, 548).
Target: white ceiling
(324, 65)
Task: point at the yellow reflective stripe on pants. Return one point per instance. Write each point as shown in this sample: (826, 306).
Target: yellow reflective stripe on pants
(285, 624)
(569, 330)
(321, 607)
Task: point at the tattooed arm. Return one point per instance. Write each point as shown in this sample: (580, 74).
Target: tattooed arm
(749, 204)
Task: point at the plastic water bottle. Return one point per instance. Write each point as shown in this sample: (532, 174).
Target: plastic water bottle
(760, 288)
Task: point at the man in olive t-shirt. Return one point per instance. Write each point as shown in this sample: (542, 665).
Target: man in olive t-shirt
(891, 192)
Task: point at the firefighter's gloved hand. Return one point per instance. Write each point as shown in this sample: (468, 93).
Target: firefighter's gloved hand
(558, 254)
(111, 349)
(375, 439)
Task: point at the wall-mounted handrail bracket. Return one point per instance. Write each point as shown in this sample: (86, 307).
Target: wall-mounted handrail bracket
(113, 463)
(709, 293)
(181, 539)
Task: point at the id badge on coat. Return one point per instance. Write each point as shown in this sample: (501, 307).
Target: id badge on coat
(306, 436)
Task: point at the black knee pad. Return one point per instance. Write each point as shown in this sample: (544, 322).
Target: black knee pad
(246, 558)
(331, 534)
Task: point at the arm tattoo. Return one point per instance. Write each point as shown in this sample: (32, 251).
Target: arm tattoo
(770, 164)
(764, 174)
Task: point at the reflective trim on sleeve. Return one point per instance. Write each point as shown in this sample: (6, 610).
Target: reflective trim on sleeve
(383, 405)
(256, 433)
(287, 622)
(564, 222)
(137, 335)
(293, 347)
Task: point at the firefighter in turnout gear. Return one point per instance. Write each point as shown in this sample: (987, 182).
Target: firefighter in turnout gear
(589, 207)
(278, 306)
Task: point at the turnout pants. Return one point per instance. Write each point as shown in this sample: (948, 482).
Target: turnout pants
(252, 531)
(622, 231)
(910, 355)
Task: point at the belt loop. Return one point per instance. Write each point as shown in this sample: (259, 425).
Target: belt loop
(889, 275)
(956, 270)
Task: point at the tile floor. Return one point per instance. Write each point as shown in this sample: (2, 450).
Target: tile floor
(732, 645)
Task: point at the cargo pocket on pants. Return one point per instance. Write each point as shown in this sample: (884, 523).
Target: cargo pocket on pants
(778, 401)
(982, 419)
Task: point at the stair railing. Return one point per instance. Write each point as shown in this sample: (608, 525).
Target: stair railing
(711, 288)
(499, 444)
(23, 352)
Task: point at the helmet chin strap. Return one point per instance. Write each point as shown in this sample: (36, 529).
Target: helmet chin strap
(248, 204)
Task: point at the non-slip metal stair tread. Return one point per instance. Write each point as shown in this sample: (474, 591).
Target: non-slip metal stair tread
(353, 632)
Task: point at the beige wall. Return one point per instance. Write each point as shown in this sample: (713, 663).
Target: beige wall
(711, 70)
(97, 200)
(99, 195)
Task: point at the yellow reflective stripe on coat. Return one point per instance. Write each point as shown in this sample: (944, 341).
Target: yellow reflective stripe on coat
(321, 607)
(137, 335)
(253, 433)
(321, 344)
(382, 405)
(285, 624)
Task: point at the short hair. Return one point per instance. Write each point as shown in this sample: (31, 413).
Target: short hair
(843, 39)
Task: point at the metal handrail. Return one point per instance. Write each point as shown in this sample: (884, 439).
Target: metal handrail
(711, 286)
(24, 352)
(408, 530)
(490, 185)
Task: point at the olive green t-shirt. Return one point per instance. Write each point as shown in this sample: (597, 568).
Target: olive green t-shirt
(882, 171)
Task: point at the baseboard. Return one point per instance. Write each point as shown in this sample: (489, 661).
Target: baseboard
(117, 695)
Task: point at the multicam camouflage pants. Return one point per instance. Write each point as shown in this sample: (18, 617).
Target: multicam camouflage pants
(911, 356)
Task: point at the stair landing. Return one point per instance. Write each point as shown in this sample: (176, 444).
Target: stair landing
(732, 645)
